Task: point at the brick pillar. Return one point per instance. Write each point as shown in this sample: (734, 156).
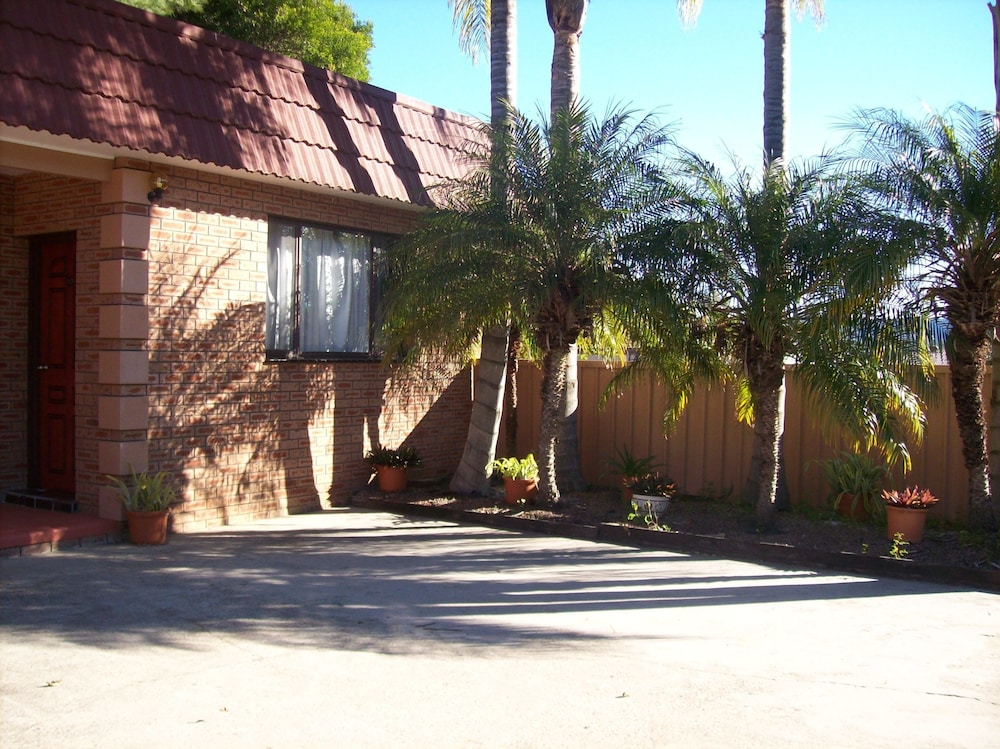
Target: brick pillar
(123, 329)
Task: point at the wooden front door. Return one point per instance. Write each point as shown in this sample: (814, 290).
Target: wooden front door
(52, 363)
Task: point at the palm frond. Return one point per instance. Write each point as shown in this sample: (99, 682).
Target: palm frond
(471, 19)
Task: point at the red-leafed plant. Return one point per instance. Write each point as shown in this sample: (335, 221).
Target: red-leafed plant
(911, 497)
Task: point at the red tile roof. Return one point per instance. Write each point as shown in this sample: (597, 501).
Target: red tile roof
(108, 73)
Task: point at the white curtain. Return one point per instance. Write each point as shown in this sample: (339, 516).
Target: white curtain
(280, 320)
(335, 285)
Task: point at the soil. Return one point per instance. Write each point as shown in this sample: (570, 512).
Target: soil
(813, 529)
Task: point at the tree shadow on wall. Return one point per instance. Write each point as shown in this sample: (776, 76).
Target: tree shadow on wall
(427, 406)
(218, 412)
(252, 439)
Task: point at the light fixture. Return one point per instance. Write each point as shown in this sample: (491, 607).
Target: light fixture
(159, 185)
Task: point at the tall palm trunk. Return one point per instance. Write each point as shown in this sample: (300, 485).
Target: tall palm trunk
(503, 83)
(995, 15)
(968, 357)
(566, 18)
(473, 474)
(777, 78)
(994, 441)
(777, 28)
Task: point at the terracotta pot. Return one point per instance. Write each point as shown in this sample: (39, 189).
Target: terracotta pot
(908, 521)
(391, 479)
(147, 528)
(517, 489)
(857, 512)
(626, 492)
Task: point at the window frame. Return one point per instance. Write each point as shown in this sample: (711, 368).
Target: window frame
(377, 243)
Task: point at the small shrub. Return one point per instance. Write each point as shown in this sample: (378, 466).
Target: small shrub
(393, 457)
(517, 468)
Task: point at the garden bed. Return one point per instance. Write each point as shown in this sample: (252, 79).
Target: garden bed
(722, 527)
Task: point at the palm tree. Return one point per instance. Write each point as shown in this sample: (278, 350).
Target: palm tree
(944, 173)
(566, 19)
(560, 253)
(787, 266)
(777, 74)
(482, 22)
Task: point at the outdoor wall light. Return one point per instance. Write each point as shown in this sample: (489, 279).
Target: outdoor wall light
(156, 194)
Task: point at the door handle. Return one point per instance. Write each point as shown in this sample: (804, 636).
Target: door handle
(42, 367)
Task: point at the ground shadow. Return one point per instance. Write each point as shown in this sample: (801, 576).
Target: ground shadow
(366, 581)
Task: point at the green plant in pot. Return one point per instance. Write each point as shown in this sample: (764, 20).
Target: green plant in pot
(520, 477)
(389, 465)
(855, 482)
(146, 498)
(651, 493)
(628, 466)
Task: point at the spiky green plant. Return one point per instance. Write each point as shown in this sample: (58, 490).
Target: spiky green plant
(145, 492)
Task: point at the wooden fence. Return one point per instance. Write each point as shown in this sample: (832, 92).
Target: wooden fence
(709, 451)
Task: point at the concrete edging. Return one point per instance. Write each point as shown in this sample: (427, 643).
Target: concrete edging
(689, 543)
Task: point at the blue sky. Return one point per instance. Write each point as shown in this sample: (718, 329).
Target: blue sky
(897, 53)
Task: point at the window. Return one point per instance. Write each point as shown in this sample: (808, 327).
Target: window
(321, 292)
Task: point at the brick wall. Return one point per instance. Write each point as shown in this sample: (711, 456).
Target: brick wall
(52, 205)
(253, 439)
(243, 438)
(14, 324)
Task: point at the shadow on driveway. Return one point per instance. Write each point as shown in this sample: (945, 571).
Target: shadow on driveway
(372, 582)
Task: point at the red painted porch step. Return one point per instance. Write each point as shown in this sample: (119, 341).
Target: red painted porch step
(24, 530)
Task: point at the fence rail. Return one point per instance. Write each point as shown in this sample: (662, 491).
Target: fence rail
(709, 451)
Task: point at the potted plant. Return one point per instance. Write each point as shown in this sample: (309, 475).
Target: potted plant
(389, 465)
(146, 498)
(651, 494)
(520, 477)
(855, 482)
(628, 466)
(906, 512)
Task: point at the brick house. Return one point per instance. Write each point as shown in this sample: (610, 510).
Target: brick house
(187, 233)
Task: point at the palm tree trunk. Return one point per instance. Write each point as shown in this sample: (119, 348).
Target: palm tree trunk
(777, 29)
(503, 59)
(766, 376)
(995, 15)
(550, 424)
(968, 359)
(473, 474)
(777, 33)
(751, 488)
(566, 18)
(510, 405)
(568, 467)
(994, 441)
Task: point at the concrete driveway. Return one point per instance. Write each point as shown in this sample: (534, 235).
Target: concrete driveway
(364, 629)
